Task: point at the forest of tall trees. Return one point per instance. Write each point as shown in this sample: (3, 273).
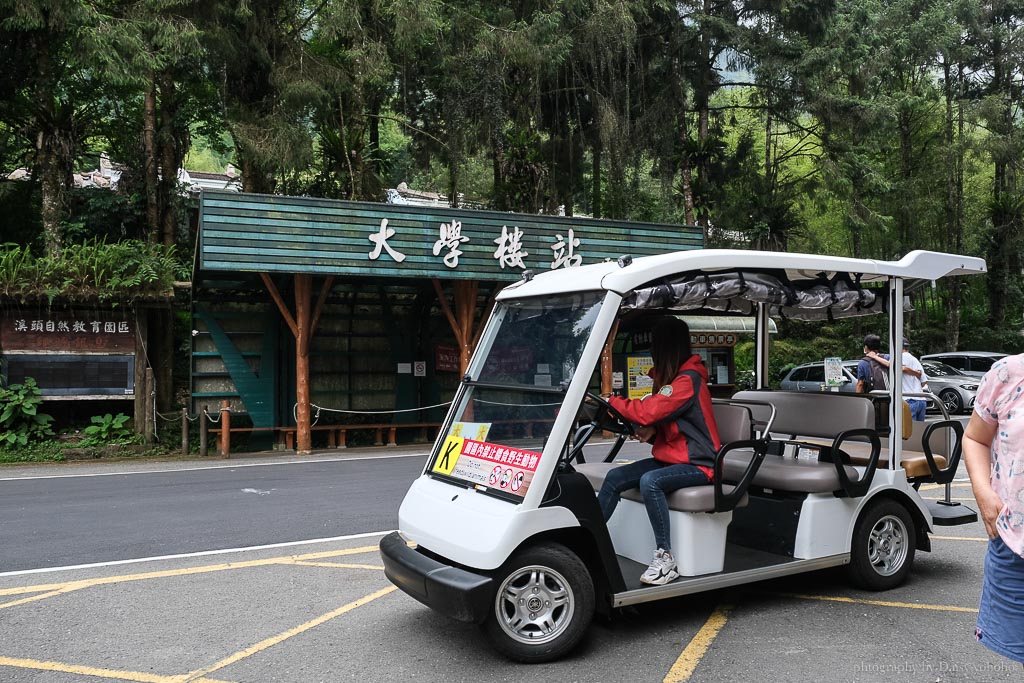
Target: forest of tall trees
(856, 127)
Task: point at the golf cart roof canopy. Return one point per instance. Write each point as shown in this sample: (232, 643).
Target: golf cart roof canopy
(799, 286)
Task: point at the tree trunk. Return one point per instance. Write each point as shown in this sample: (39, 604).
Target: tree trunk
(52, 188)
(595, 181)
(255, 176)
(151, 173)
(171, 157)
(954, 196)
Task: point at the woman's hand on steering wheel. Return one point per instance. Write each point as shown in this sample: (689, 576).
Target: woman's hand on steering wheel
(607, 417)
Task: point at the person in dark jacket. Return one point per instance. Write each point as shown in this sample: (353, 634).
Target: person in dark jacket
(679, 417)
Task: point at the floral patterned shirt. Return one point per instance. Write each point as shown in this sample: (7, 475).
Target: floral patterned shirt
(1000, 401)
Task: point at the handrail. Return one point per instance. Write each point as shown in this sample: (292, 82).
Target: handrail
(767, 428)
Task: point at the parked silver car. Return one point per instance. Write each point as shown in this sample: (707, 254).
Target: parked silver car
(953, 387)
(811, 377)
(973, 363)
(956, 390)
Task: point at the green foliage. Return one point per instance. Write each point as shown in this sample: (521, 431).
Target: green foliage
(20, 420)
(122, 271)
(108, 428)
(44, 451)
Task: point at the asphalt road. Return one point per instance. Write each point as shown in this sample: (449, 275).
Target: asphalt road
(107, 516)
(325, 612)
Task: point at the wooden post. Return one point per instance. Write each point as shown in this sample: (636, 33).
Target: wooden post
(461, 321)
(303, 318)
(141, 331)
(150, 428)
(225, 429)
(204, 433)
(184, 431)
(302, 325)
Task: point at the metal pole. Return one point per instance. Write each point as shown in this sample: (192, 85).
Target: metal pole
(204, 432)
(150, 430)
(184, 431)
(225, 429)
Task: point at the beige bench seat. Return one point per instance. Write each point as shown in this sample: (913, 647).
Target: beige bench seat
(688, 499)
(789, 474)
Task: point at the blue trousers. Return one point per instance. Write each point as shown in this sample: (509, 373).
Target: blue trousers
(655, 479)
(917, 407)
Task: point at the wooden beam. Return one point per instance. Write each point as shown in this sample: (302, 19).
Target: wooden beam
(487, 314)
(276, 296)
(446, 309)
(325, 290)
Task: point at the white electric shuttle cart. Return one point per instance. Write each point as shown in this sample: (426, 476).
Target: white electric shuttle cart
(503, 526)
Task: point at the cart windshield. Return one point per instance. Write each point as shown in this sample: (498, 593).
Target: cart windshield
(504, 415)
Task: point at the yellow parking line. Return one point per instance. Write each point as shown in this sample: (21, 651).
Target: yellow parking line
(969, 499)
(33, 598)
(691, 656)
(106, 580)
(879, 603)
(338, 565)
(932, 487)
(270, 642)
(138, 676)
(961, 538)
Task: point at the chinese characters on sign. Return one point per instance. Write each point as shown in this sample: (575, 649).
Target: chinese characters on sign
(64, 331)
(75, 327)
(509, 251)
(487, 465)
(450, 238)
(563, 249)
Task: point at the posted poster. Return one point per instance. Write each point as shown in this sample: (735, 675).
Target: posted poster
(489, 465)
(833, 372)
(640, 383)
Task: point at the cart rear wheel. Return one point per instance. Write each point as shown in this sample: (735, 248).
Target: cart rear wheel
(543, 605)
(884, 542)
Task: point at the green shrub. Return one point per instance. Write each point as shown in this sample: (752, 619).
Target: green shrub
(108, 428)
(20, 419)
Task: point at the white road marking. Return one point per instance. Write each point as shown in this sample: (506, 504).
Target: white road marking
(258, 492)
(202, 553)
(215, 467)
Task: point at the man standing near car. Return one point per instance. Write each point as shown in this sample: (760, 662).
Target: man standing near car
(915, 381)
(870, 375)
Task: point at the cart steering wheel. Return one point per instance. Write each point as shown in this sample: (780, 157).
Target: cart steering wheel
(604, 417)
(608, 418)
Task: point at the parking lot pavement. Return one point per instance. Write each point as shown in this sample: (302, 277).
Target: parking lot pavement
(325, 612)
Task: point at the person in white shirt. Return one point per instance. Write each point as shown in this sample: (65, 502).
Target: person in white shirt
(914, 382)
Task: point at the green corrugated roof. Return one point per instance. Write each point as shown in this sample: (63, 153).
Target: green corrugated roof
(265, 233)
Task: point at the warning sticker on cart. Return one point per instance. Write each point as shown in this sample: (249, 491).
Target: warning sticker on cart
(489, 465)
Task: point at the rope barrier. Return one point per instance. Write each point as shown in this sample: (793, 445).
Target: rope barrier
(516, 405)
(367, 412)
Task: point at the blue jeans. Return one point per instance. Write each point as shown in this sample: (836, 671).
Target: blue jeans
(655, 479)
(917, 407)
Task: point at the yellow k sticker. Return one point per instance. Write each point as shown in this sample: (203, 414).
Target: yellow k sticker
(450, 452)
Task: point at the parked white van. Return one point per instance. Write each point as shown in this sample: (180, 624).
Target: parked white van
(503, 527)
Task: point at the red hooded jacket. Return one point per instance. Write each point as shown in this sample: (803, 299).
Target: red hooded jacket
(682, 415)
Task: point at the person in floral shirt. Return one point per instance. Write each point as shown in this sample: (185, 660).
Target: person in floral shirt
(994, 454)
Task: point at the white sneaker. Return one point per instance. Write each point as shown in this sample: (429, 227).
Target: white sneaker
(662, 569)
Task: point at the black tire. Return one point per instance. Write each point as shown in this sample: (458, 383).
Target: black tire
(884, 542)
(954, 404)
(533, 579)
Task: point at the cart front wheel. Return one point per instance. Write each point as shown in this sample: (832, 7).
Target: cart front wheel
(544, 604)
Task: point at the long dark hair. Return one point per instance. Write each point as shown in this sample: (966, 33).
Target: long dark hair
(670, 348)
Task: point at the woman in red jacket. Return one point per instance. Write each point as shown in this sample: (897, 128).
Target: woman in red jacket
(680, 418)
